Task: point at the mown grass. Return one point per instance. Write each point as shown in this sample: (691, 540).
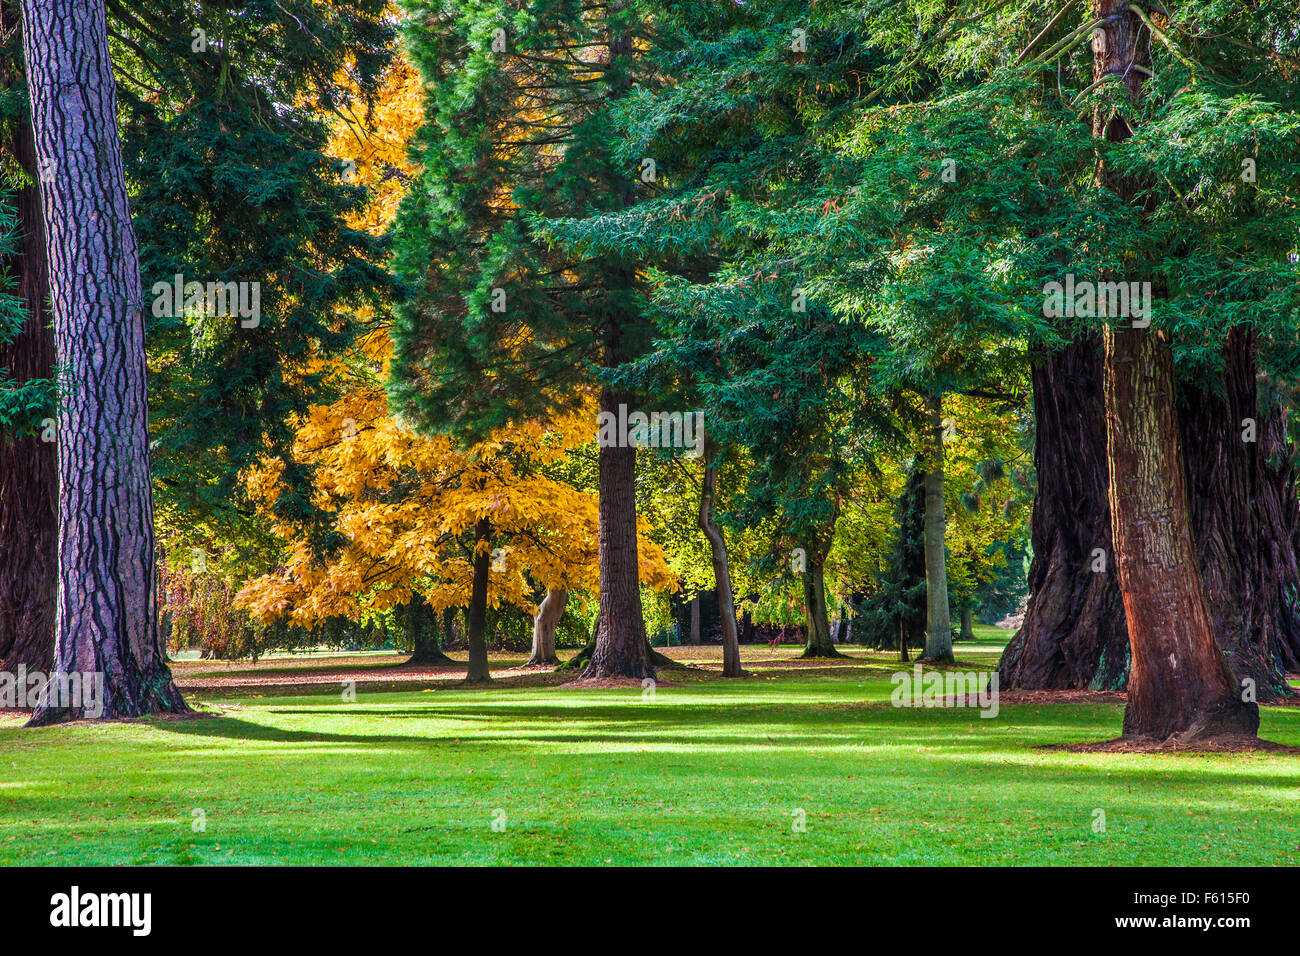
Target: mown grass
(706, 772)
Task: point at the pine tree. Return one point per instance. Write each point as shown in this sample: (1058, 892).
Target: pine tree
(502, 325)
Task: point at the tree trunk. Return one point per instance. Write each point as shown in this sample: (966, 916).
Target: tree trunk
(107, 618)
(29, 477)
(621, 649)
(721, 568)
(545, 621)
(693, 635)
(902, 642)
(477, 639)
(1245, 519)
(1074, 635)
(422, 625)
(1179, 685)
(938, 626)
(967, 631)
(819, 643)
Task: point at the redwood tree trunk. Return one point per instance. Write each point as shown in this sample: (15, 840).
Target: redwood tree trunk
(1074, 635)
(545, 621)
(29, 477)
(1245, 519)
(107, 618)
(1245, 523)
(478, 654)
(1179, 685)
(621, 648)
(721, 568)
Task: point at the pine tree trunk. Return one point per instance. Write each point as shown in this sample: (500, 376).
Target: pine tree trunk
(938, 627)
(621, 648)
(107, 618)
(1179, 685)
(29, 477)
(721, 569)
(478, 651)
(545, 621)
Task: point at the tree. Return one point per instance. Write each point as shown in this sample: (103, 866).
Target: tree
(28, 463)
(107, 621)
(1179, 685)
(501, 319)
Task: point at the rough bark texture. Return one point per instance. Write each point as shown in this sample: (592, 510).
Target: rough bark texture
(721, 568)
(545, 621)
(29, 478)
(938, 626)
(1074, 633)
(1179, 685)
(477, 638)
(107, 618)
(1245, 521)
(621, 648)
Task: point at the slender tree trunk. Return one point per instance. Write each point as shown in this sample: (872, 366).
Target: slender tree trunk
(967, 630)
(938, 632)
(693, 635)
(545, 621)
(721, 568)
(107, 618)
(29, 476)
(478, 650)
(902, 641)
(621, 648)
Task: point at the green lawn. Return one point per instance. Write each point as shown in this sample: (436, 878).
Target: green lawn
(707, 772)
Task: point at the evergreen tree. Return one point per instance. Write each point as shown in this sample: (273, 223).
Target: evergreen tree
(895, 615)
(502, 324)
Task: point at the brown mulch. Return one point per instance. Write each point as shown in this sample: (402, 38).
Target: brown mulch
(1231, 743)
(1038, 697)
(607, 683)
